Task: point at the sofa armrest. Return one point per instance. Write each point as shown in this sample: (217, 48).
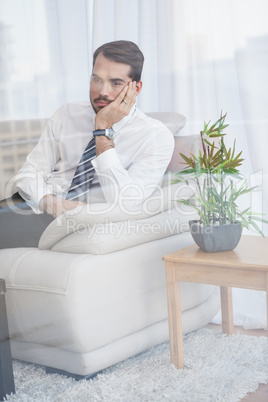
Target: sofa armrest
(85, 219)
(184, 144)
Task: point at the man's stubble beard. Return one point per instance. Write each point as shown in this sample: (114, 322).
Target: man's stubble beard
(100, 98)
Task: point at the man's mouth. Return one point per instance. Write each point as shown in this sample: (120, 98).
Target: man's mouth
(101, 102)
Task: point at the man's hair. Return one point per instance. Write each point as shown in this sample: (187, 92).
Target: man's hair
(123, 51)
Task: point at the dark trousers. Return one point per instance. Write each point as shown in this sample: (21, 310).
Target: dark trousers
(19, 225)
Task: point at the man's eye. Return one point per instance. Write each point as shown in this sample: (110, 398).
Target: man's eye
(117, 83)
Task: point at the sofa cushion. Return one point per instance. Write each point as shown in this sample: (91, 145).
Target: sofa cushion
(173, 121)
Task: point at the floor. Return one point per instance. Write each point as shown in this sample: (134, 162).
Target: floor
(261, 395)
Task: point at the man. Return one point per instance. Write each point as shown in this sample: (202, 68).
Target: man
(132, 150)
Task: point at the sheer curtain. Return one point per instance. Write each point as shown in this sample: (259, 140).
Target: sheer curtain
(201, 57)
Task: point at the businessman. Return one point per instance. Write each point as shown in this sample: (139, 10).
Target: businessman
(97, 150)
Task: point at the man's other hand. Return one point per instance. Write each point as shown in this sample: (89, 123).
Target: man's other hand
(56, 206)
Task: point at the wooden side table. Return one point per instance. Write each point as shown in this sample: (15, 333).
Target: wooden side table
(245, 267)
(6, 371)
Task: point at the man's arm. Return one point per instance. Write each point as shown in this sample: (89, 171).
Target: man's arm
(112, 113)
(137, 182)
(31, 180)
(141, 179)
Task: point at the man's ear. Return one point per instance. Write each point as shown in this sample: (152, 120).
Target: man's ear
(138, 87)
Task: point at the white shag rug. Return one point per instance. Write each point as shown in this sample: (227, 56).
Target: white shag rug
(217, 368)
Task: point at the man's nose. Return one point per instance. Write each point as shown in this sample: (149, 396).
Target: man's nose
(104, 89)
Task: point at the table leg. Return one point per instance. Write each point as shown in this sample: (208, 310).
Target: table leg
(227, 310)
(174, 317)
(267, 300)
(6, 370)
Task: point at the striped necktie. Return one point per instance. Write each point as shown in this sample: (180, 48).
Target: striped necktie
(83, 175)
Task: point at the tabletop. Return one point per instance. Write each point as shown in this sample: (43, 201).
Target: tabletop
(251, 252)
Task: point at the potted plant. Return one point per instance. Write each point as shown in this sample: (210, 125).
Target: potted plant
(219, 184)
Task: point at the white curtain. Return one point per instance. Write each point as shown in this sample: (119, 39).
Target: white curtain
(201, 57)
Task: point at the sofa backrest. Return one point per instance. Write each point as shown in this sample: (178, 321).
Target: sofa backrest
(18, 138)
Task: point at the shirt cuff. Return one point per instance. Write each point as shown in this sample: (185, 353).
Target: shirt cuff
(106, 160)
(33, 196)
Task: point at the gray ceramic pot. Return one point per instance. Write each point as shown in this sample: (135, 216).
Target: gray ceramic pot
(216, 237)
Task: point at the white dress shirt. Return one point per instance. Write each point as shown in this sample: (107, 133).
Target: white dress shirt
(132, 169)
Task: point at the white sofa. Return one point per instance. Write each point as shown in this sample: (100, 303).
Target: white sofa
(94, 291)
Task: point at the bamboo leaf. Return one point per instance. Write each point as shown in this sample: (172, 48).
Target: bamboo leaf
(256, 227)
(233, 153)
(217, 135)
(187, 160)
(255, 218)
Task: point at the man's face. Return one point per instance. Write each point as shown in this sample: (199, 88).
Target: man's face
(107, 81)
